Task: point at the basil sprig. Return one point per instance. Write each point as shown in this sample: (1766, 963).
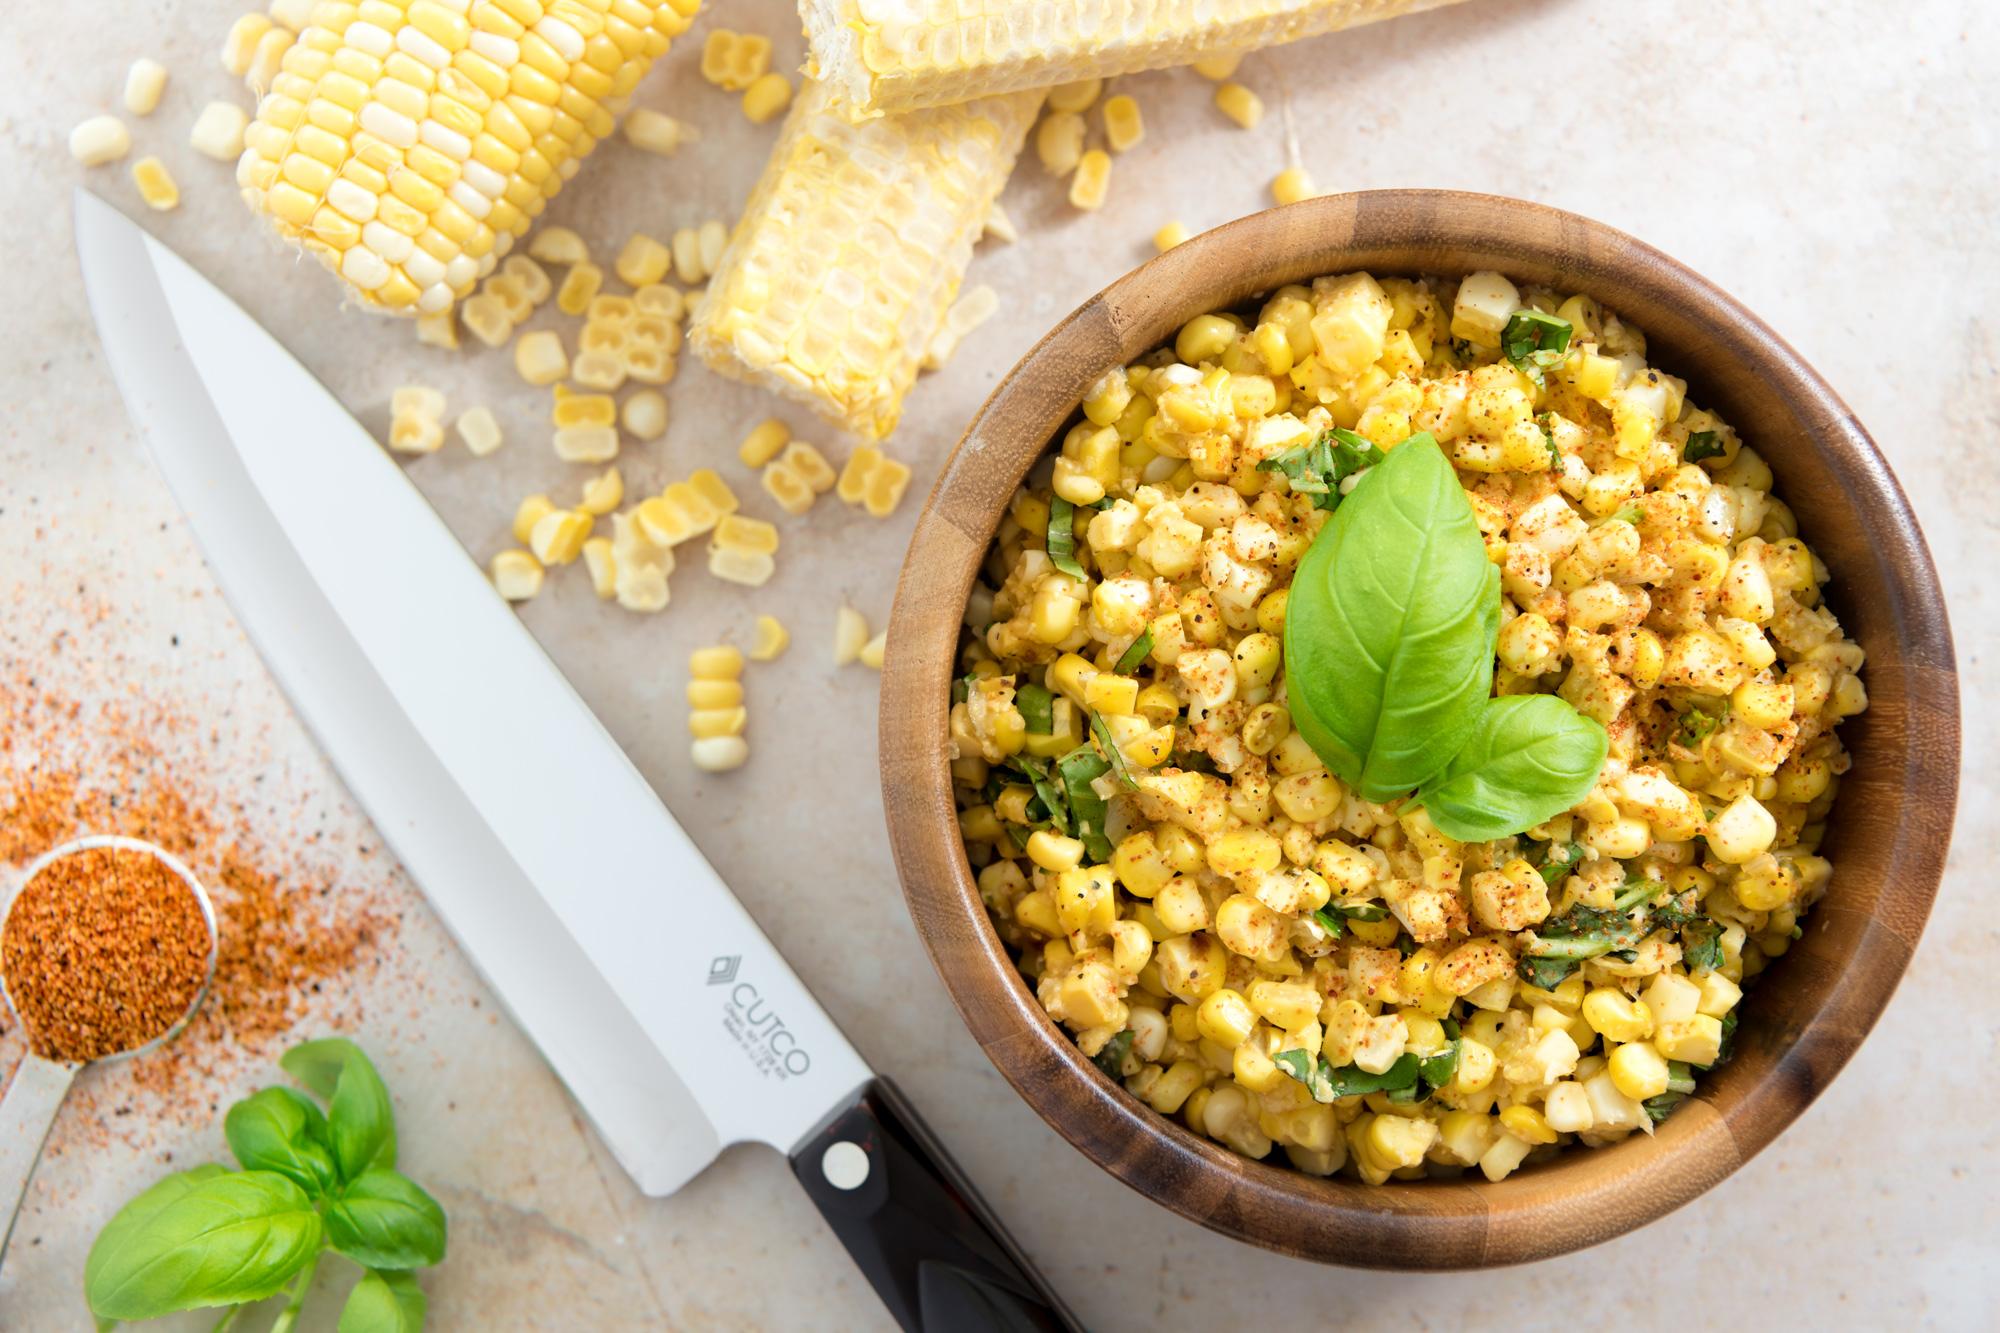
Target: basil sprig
(1390, 634)
(1319, 468)
(312, 1179)
(1535, 342)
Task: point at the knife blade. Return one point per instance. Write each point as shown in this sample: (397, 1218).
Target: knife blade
(670, 1017)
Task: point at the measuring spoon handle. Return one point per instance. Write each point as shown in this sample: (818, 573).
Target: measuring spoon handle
(26, 1113)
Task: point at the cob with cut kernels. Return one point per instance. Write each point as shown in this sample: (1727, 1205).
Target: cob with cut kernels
(852, 248)
(882, 56)
(406, 144)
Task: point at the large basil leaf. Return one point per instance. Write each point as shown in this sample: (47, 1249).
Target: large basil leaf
(1390, 628)
(1329, 1083)
(384, 1303)
(361, 1124)
(384, 1219)
(1529, 758)
(201, 1238)
(280, 1130)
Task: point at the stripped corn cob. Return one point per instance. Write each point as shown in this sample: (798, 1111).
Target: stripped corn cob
(406, 144)
(850, 250)
(882, 58)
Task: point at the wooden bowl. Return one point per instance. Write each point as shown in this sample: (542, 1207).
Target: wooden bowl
(1812, 1007)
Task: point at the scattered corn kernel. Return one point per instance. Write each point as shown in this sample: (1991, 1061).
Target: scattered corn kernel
(643, 260)
(1078, 96)
(486, 316)
(480, 431)
(747, 534)
(886, 485)
(872, 652)
(535, 283)
(764, 442)
(1291, 185)
(714, 692)
(530, 511)
(156, 185)
(517, 576)
(218, 131)
(144, 83)
(1218, 68)
(603, 493)
(419, 400)
(719, 754)
(654, 132)
(660, 298)
(239, 47)
(687, 256)
(771, 641)
(853, 483)
(711, 239)
(720, 662)
(999, 226)
(1239, 104)
(751, 569)
(582, 409)
(558, 536)
(439, 330)
(704, 723)
(1059, 142)
(709, 485)
(850, 635)
(603, 567)
(1092, 180)
(539, 358)
(810, 464)
(732, 61)
(579, 285)
(645, 414)
(1169, 236)
(596, 369)
(793, 493)
(767, 98)
(410, 433)
(1124, 127)
(558, 245)
(586, 444)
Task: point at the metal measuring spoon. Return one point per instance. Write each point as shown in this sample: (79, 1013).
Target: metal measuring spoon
(36, 1094)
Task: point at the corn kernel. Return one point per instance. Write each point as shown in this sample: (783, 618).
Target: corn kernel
(410, 433)
(747, 534)
(532, 277)
(99, 140)
(767, 98)
(1527, 1124)
(1124, 127)
(733, 61)
(1638, 1070)
(156, 185)
(1239, 104)
(558, 245)
(597, 369)
(481, 433)
(517, 576)
(854, 473)
(579, 285)
(603, 566)
(218, 131)
(750, 569)
(643, 260)
(850, 636)
(886, 486)
(810, 464)
(772, 638)
(558, 536)
(763, 443)
(1170, 235)
(719, 754)
(1087, 189)
(1217, 68)
(586, 444)
(1052, 851)
(486, 316)
(654, 132)
(582, 409)
(144, 82)
(788, 488)
(645, 415)
(704, 723)
(439, 330)
(1291, 185)
(603, 493)
(1059, 142)
(539, 359)
(1078, 96)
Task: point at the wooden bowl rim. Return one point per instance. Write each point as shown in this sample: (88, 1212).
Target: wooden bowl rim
(1583, 1197)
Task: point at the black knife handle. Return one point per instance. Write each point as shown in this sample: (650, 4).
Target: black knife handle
(927, 1242)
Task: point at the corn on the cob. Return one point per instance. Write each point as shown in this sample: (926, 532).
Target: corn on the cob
(850, 250)
(880, 58)
(406, 144)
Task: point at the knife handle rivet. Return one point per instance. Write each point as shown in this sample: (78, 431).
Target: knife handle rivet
(845, 1165)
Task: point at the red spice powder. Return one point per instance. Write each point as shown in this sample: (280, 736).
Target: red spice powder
(104, 950)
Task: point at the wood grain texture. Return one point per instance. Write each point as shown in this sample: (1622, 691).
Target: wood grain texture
(1888, 838)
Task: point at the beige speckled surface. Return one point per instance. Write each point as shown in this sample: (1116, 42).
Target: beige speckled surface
(1830, 163)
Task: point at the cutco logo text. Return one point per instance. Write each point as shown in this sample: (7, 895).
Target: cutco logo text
(750, 1019)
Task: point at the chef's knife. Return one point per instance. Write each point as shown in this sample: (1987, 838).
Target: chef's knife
(612, 942)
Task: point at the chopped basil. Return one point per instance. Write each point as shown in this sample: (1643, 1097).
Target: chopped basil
(1701, 945)
(1054, 807)
(1079, 769)
(1037, 707)
(1111, 1057)
(1134, 657)
(1062, 537)
(1535, 342)
(1549, 439)
(1327, 1083)
(1334, 916)
(1438, 1070)
(1702, 444)
(1560, 862)
(1318, 469)
(1629, 514)
(961, 689)
(1660, 1107)
(1698, 724)
(1112, 754)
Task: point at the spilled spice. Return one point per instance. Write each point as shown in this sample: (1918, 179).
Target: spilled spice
(104, 950)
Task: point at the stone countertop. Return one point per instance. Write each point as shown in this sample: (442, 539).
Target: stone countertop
(1830, 168)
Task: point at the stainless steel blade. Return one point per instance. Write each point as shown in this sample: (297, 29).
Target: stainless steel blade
(603, 929)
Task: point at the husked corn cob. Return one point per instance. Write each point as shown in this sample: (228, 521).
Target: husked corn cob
(880, 58)
(850, 250)
(407, 144)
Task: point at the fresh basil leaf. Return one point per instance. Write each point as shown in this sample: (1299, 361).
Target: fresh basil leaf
(1529, 757)
(1318, 469)
(1701, 946)
(1334, 916)
(1535, 342)
(1390, 627)
(1112, 754)
(1702, 444)
(202, 1238)
(1047, 792)
(1438, 1070)
(270, 1131)
(1546, 973)
(1331, 922)
(1078, 770)
(1728, 1048)
(1111, 1058)
(1559, 862)
(1680, 1076)
(1135, 656)
(384, 1303)
(1037, 708)
(1062, 537)
(1660, 1107)
(361, 1123)
(1328, 1084)
(383, 1219)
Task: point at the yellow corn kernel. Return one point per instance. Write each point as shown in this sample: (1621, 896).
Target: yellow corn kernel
(156, 185)
(1291, 185)
(1225, 1018)
(579, 285)
(772, 638)
(586, 444)
(517, 576)
(1527, 1124)
(481, 433)
(643, 260)
(1124, 127)
(532, 277)
(767, 98)
(811, 466)
(850, 636)
(99, 140)
(1052, 851)
(603, 566)
(539, 358)
(1110, 694)
(644, 415)
(854, 473)
(747, 534)
(583, 409)
(529, 512)
(714, 692)
(732, 61)
(597, 369)
(1638, 1070)
(558, 536)
(557, 245)
(704, 723)
(603, 493)
(763, 443)
(486, 316)
(721, 662)
(1239, 104)
(1615, 1017)
(1092, 182)
(654, 132)
(1059, 142)
(885, 488)
(439, 330)
(1170, 235)
(1217, 68)
(1078, 96)
(783, 484)
(719, 754)
(709, 485)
